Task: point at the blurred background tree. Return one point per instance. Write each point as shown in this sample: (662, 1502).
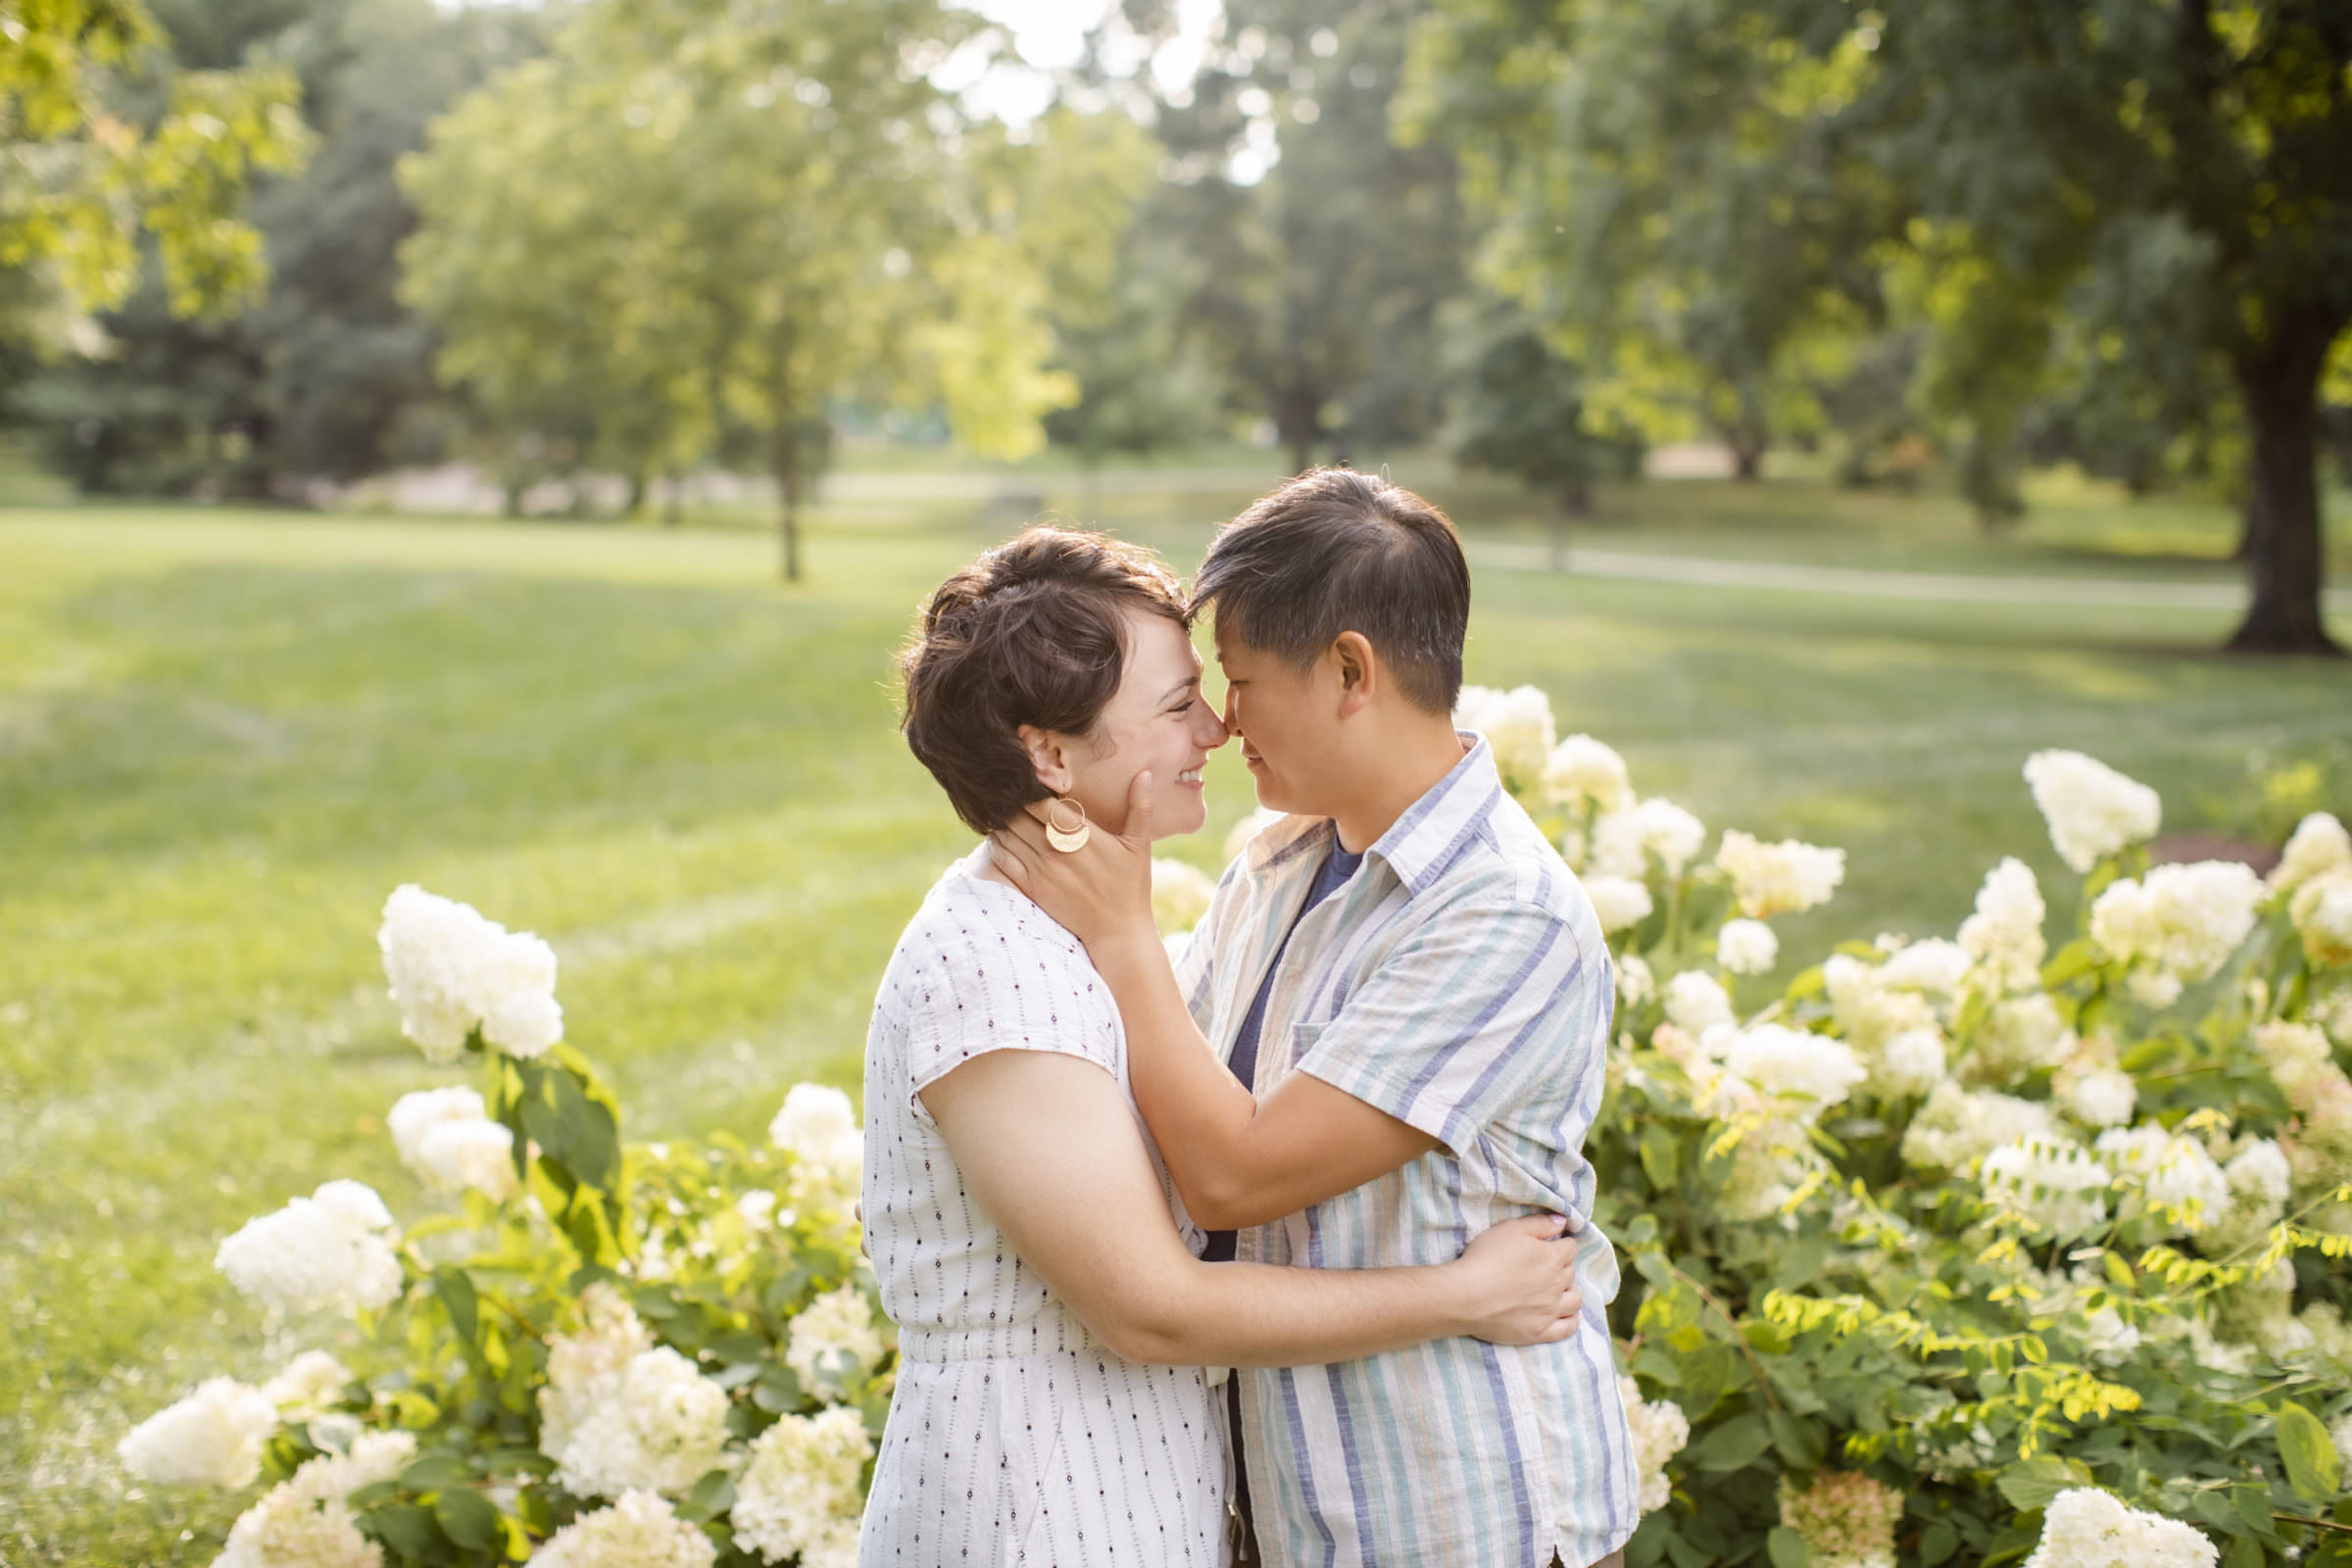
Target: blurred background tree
(625, 243)
(682, 213)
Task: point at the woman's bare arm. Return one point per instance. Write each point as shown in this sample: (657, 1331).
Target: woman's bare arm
(1048, 1144)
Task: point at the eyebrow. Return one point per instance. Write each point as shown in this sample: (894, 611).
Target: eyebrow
(1184, 685)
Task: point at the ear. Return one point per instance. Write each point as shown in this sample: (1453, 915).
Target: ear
(1357, 665)
(1049, 754)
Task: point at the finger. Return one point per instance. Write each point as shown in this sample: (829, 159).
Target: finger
(1139, 809)
(1576, 1223)
(1006, 853)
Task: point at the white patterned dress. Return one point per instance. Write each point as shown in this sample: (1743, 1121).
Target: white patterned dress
(1014, 1437)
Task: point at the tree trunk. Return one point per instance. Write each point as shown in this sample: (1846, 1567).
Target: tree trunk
(784, 450)
(2280, 384)
(639, 484)
(673, 500)
(1295, 417)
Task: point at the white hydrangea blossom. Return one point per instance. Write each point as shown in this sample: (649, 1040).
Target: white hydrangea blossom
(2087, 1528)
(1518, 727)
(582, 1366)
(304, 1521)
(658, 1426)
(1623, 843)
(1768, 879)
(1634, 982)
(2055, 1184)
(817, 1127)
(1618, 900)
(1746, 947)
(2340, 1434)
(1695, 1001)
(2004, 935)
(309, 1386)
(2260, 1183)
(1933, 966)
(2017, 1037)
(446, 1137)
(1581, 768)
(1957, 1127)
(212, 1437)
(333, 1248)
(799, 1494)
(1793, 1064)
(1180, 895)
(2092, 811)
(2180, 922)
(840, 1322)
(2294, 1052)
(638, 1531)
(452, 971)
(2319, 846)
(2321, 911)
(1660, 1431)
(2170, 1170)
(1909, 1063)
(2099, 1097)
(1868, 1009)
(1845, 1519)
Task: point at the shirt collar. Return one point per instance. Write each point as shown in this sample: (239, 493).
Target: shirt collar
(1420, 842)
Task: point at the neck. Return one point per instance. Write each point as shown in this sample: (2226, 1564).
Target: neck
(1401, 769)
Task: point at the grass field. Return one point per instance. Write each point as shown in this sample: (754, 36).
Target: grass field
(226, 736)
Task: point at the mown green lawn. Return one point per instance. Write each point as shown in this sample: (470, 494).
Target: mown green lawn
(226, 736)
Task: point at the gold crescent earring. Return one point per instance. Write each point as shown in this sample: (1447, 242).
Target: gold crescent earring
(1066, 836)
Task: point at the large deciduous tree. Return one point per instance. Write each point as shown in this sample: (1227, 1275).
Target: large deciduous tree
(689, 211)
(101, 144)
(1668, 200)
(1319, 283)
(2023, 146)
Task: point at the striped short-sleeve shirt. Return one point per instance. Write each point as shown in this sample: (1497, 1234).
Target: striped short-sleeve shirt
(1458, 981)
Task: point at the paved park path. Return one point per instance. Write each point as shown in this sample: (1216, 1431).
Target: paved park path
(1872, 583)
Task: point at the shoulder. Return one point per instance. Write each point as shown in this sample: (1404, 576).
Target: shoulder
(1513, 883)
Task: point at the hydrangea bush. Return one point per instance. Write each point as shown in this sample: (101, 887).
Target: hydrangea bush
(1975, 1248)
(598, 1355)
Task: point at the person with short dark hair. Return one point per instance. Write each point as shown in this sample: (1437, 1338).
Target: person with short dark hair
(1054, 1317)
(1410, 998)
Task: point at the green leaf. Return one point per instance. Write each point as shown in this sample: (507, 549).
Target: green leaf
(1798, 1443)
(1937, 1543)
(2076, 959)
(408, 1530)
(1659, 1156)
(2030, 1484)
(2244, 1552)
(2313, 1466)
(468, 1518)
(712, 1495)
(433, 1472)
(2253, 1507)
(1787, 1548)
(455, 1286)
(1734, 1445)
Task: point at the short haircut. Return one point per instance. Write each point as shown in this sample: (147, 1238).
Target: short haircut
(1032, 632)
(1336, 551)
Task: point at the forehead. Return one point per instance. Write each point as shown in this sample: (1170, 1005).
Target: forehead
(1157, 643)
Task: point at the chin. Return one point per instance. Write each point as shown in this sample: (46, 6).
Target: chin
(1188, 813)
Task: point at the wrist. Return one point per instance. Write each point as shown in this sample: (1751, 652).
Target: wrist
(1461, 1303)
(1123, 944)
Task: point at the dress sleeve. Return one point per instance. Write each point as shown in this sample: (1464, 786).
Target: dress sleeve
(993, 987)
(1491, 1013)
